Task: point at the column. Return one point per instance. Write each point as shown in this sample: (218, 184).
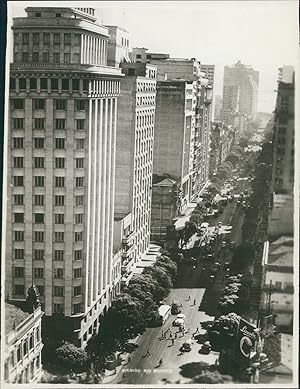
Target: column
(100, 195)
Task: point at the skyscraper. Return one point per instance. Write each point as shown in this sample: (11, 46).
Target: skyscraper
(240, 91)
(61, 161)
(134, 162)
(284, 133)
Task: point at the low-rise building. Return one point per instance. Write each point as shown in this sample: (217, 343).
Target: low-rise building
(23, 345)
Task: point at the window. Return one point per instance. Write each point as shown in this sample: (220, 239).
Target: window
(65, 84)
(59, 182)
(39, 218)
(77, 272)
(77, 308)
(56, 57)
(18, 103)
(59, 236)
(25, 38)
(59, 163)
(79, 182)
(39, 123)
(18, 143)
(38, 255)
(80, 124)
(59, 218)
(60, 104)
(39, 143)
(78, 255)
(60, 124)
(54, 83)
(19, 217)
(19, 272)
(19, 291)
(138, 56)
(19, 253)
(78, 237)
(19, 236)
(39, 181)
(18, 181)
(18, 123)
(36, 37)
(18, 199)
(39, 103)
(77, 290)
(77, 39)
(78, 218)
(76, 58)
(58, 15)
(85, 85)
(67, 58)
(33, 83)
(80, 105)
(56, 38)
(67, 38)
(18, 162)
(46, 37)
(278, 285)
(59, 273)
(79, 144)
(75, 85)
(37, 334)
(58, 255)
(39, 199)
(79, 163)
(44, 83)
(25, 56)
(39, 162)
(59, 200)
(12, 83)
(22, 83)
(19, 347)
(39, 236)
(38, 272)
(38, 14)
(79, 200)
(58, 308)
(59, 143)
(58, 291)
(41, 290)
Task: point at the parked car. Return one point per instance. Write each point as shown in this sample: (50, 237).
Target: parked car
(175, 309)
(187, 345)
(178, 322)
(212, 278)
(181, 316)
(205, 348)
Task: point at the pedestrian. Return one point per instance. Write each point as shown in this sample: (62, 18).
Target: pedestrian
(170, 335)
(162, 334)
(197, 330)
(173, 342)
(148, 352)
(189, 297)
(189, 327)
(175, 335)
(194, 301)
(129, 359)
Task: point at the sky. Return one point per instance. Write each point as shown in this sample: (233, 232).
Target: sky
(262, 34)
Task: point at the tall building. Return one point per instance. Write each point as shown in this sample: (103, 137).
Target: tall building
(209, 73)
(134, 162)
(218, 107)
(240, 91)
(61, 162)
(118, 46)
(183, 120)
(284, 133)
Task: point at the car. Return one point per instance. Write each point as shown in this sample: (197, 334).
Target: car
(187, 345)
(180, 316)
(205, 348)
(178, 323)
(175, 309)
(212, 278)
(224, 244)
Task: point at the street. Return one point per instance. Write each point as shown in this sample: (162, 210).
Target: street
(193, 280)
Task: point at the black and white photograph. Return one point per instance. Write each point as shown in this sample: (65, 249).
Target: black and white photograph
(150, 194)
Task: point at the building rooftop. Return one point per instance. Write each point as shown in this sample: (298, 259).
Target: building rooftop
(166, 182)
(13, 317)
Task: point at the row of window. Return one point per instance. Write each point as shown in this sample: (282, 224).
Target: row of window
(60, 104)
(39, 236)
(44, 57)
(46, 38)
(39, 143)
(39, 254)
(39, 218)
(146, 86)
(145, 100)
(59, 182)
(25, 346)
(19, 272)
(66, 84)
(39, 124)
(59, 200)
(39, 162)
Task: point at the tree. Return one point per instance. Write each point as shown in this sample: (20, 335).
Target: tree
(228, 303)
(72, 357)
(212, 377)
(223, 330)
(160, 275)
(242, 259)
(196, 218)
(169, 265)
(189, 230)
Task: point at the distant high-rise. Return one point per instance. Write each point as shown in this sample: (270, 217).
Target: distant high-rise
(218, 107)
(240, 91)
(284, 133)
(61, 157)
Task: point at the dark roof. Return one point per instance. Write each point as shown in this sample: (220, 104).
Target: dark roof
(281, 252)
(13, 317)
